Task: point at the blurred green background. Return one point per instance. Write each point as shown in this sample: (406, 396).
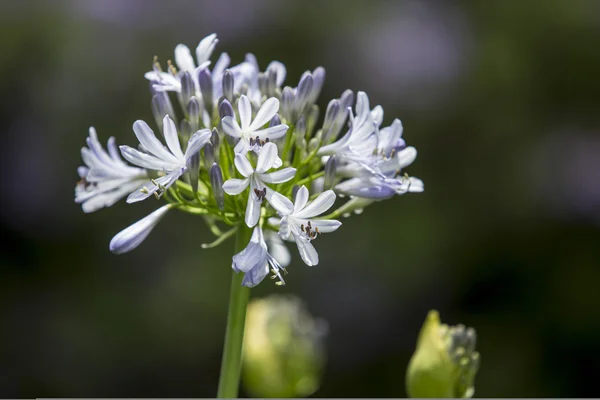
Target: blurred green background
(502, 100)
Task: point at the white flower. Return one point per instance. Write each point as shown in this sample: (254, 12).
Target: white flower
(132, 236)
(255, 260)
(299, 225)
(106, 178)
(172, 161)
(165, 81)
(252, 129)
(256, 179)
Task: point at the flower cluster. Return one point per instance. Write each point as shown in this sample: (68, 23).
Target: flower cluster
(240, 149)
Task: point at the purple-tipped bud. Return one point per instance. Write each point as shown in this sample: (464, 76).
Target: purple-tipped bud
(262, 82)
(303, 92)
(271, 82)
(228, 85)
(318, 76)
(216, 181)
(194, 171)
(185, 131)
(330, 170)
(206, 88)
(300, 131)
(333, 109)
(215, 140)
(193, 109)
(225, 109)
(312, 116)
(287, 102)
(209, 155)
(295, 191)
(275, 121)
(161, 106)
(187, 88)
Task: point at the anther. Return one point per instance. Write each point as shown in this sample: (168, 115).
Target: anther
(172, 68)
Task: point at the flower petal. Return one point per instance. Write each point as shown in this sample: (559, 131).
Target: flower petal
(131, 237)
(266, 158)
(231, 127)
(307, 251)
(301, 199)
(235, 186)
(252, 211)
(170, 132)
(325, 225)
(255, 275)
(142, 159)
(206, 47)
(254, 254)
(406, 157)
(318, 206)
(245, 111)
(242, 147)
(280, 176)
(196, 142)
(279, 201)
(267, 111)
(148, 139)
(243, 165)
(184, 59)
(278, 249)
(272, 132)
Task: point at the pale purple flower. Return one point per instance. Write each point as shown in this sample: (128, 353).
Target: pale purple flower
(300, 225)
(171, 160)
(251, 129)
(254, 261)
(106, 178)
(257, 178)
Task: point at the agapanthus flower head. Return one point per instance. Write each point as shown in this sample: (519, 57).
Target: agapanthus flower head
(243, 151)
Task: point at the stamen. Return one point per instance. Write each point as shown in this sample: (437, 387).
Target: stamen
(156, 65)
(172, 68)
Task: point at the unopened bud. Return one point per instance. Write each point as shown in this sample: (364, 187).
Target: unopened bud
(193, 109)
(318, 76)
(206, 88)
(312, 118)
(209, 155)
(300, 131)
(188, 88)
(215, 140)
(185, 131)
(225, 109)
(228, 85)
(194, 171)
(275, 121)
(161, 106)
(330, 169)
(445, 362)
(216, 181)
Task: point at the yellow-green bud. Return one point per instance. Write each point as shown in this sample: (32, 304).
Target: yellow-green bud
(283, 352)
(445, 362)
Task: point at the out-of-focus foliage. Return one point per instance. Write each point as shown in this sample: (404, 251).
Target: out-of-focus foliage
(284, 350)
(501, 98)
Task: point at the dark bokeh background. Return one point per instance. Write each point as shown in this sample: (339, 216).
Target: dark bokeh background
(502, 100)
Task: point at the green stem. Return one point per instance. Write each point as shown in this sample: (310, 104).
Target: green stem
(231, 364)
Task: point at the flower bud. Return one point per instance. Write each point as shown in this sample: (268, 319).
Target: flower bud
(187, 88)
(206, 88)
(225, 109)
(185, 130)
(283, 348)
(161, 106)
(216, 181)
(330, 169)
(445, 362)
(228, 85)
(193, 109)
(209, 155)
(215, 140)
(300, 131)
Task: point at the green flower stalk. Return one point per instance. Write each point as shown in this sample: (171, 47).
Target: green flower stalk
(445, 362)
(283, 348)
